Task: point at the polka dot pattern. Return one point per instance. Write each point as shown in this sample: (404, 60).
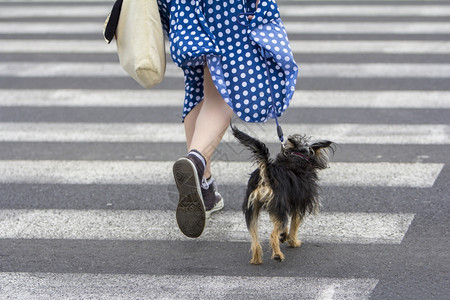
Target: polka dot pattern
(217, 33)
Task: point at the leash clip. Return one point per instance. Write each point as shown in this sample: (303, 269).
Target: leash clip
(283, 145)
(280, 133)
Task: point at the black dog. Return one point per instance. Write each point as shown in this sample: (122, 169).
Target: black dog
(286, 187)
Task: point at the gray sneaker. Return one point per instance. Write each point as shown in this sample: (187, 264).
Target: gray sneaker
(211, 197)
(188, 173)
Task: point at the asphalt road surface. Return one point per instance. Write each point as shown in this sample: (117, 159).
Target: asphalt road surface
(87, 198)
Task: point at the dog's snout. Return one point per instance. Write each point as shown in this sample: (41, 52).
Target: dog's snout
(306, 151)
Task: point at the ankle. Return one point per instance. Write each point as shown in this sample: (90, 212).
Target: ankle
(207, 176)
(208, 181)
(199, 161)
(199, 155)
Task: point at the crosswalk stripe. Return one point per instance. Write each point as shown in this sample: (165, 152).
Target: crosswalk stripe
(432, 10)
(53, 27)
(142, 286)
(367, 27)
(361, 10)
(341, 133)
(229, 172)
(327, 227)
(50, 226)
(71, 1)
(425, 47)
(336, 70)
(99, 46)
(57, 46)
(171, 98)
(291, 27)
(33, 11)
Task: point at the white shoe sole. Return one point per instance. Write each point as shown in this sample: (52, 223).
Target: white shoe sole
(219, 205)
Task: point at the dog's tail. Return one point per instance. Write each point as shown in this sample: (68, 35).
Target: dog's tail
(259, 150)
(259, 192)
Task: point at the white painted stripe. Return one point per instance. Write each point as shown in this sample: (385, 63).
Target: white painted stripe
(143, 286)
(380, 70)
(33, 11)
(60, 69)
(229, 172)
(375, 70)
(86, 98)
(99, 46)
(371, 99)
(327, 293)
(364, 11)
(109, 1)
(361, 228)
(285, 10)
(169, 98)
(57, 46)
(367, 27)
(410, 47)
(292, 27)
(52, 27)
(438, 134)
(85, 1)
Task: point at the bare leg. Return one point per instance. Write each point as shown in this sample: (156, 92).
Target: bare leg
(189, 123)
(206, 124)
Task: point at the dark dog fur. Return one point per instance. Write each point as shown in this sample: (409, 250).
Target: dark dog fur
(286, 187)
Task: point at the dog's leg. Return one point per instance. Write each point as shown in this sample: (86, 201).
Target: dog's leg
(257, 252)
(278, 228)
(284, 234)
(256, 248)
(292, 239)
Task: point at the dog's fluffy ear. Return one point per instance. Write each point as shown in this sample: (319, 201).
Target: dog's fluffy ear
(321, 144)
(290, 143)
(323, 150)
(326, 146)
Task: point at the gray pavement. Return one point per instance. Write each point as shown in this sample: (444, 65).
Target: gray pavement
(86, 198)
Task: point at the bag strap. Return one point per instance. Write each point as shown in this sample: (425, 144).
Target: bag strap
(111, 21)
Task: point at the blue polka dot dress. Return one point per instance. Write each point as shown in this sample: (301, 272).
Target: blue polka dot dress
(250, 61)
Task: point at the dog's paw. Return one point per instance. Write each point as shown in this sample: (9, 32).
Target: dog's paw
(294, 243)
(257, 254)
(278, 257)
(256, 261)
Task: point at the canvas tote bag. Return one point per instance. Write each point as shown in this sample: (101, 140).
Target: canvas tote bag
(140, 41)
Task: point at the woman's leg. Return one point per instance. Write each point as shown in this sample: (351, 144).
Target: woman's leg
(206, 124)
(189, 123)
